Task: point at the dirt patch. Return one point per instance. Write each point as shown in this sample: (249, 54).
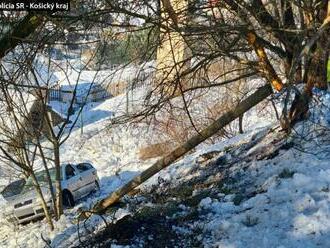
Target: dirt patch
(149, 227)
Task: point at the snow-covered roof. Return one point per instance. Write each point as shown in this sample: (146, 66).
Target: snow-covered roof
(82, 88)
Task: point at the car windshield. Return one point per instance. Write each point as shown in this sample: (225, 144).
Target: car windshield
(41, 178)
(13, 188)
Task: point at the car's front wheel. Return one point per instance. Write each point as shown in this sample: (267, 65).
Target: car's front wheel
(68, 199)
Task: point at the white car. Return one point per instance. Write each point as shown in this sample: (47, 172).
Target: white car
(77, 181)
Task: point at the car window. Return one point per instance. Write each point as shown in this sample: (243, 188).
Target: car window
(52, 173)
(69, 172)
(41, 177)
(13, 188)
(83, 167)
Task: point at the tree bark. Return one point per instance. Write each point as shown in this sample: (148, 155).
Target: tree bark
(240, 124)
(50, 183)
(317, 70)
(252, 100)
(58, 187)
(266, 67)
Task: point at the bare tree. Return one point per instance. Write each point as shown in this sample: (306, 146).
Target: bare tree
(234, 30)
(15, 133)
(26, 82)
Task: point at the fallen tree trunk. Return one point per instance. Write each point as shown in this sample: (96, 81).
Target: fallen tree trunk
(252, 100)
(19, 32)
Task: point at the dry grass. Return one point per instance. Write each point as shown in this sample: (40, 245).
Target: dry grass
(155, 150)
(117, 88)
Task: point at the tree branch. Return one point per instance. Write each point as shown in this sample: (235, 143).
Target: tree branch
(19, 32)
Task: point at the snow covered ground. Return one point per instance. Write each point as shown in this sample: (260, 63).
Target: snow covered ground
(289, 206)
(291, 210)
(112, 152)
(280, 201)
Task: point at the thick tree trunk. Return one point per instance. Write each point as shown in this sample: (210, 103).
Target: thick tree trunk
(240, 124)
(298, 78)
(50, 183)
(316, 71)
(259, 95)
(58, 187)
(266, 69)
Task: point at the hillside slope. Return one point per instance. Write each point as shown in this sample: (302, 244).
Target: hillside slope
(257, 189)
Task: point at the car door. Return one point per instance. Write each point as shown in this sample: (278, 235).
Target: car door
(73, 181)
(88, 180)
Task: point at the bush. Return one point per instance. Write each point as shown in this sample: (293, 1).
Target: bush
(250, 221)
(155, 150)
(286, 173)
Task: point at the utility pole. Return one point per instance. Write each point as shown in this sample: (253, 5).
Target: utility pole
(81, 122)
(127, 97)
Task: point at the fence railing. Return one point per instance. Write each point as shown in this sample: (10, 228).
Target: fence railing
(58, 94)
(54, 94)
(100, 92)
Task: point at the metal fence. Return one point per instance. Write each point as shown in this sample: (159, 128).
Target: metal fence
(95, 94)
(54, 94)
